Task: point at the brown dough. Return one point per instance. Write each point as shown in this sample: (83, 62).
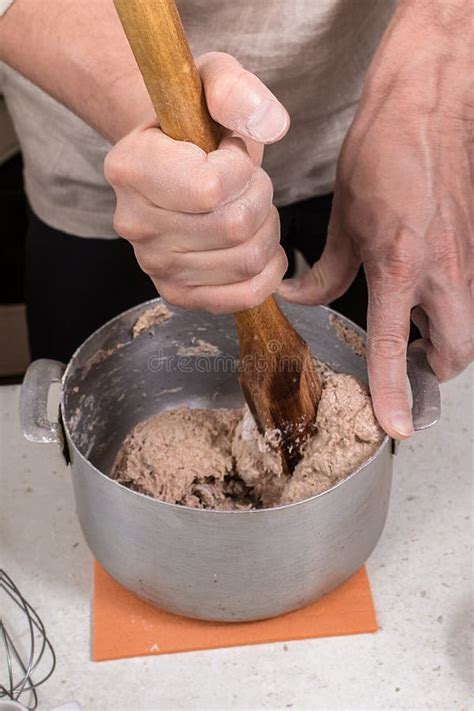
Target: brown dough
(154, 316)
(217, 459)
(347, 335)
(199, 348)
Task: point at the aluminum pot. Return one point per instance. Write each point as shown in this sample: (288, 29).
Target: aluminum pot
(212, 565)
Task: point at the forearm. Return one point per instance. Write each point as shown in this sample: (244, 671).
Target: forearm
(76, 51)
(424, 60)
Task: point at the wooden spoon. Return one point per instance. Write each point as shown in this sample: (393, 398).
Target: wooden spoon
(277, 375)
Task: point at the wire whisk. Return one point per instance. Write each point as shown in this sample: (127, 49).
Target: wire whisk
(28, 658)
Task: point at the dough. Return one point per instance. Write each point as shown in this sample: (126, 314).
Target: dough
(217, 459)
(347, 335)
(199, 348)
(153, 316)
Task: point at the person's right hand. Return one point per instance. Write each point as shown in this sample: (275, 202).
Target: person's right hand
(203, 227)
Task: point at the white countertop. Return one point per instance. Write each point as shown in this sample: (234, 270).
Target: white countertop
(421, 575)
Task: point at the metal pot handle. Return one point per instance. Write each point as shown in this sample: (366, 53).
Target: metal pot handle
(34, 401)
(426, 408)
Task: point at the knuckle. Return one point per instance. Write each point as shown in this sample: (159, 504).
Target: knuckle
(388, 346)
(108, 166)
(264, 187)
(151, 265)
(237, 224)
(255, 259)
(402, 263)
(267, 185)
(131, 226)
(175, 294)
(282, 264)
(275, 221)
(448, 256)
(148, 265)
(117, 168)
(391, 392)
(126, 227)
(397, 260)
(209, 193)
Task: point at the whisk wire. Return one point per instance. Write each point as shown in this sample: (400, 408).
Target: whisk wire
(37, 651)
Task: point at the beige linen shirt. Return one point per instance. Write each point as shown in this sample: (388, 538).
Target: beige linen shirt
(313, 54)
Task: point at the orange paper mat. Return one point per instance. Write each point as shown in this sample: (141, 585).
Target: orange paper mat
(125, 626)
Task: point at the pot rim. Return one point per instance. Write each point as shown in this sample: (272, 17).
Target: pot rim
(182, 507)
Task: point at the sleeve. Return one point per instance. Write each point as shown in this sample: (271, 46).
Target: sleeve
(4, 5)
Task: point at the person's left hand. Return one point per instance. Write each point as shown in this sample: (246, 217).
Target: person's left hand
(402, 207)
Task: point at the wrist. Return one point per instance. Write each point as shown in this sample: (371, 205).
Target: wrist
(129, 105)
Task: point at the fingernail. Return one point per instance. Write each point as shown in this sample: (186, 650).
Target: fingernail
(268, 122)
(402, 424)
(288, 285)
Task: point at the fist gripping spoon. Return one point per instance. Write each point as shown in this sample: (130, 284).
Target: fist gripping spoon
(277, 376)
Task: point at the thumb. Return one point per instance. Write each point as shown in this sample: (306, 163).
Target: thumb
(239, 101)
(330, 277)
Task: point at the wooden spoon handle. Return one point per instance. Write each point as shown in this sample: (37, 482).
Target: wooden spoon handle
(156, 36)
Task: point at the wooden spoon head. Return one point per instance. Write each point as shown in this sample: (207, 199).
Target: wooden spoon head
(279, 381)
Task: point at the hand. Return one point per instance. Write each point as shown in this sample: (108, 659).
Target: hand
(402, 207)
(203, 226)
